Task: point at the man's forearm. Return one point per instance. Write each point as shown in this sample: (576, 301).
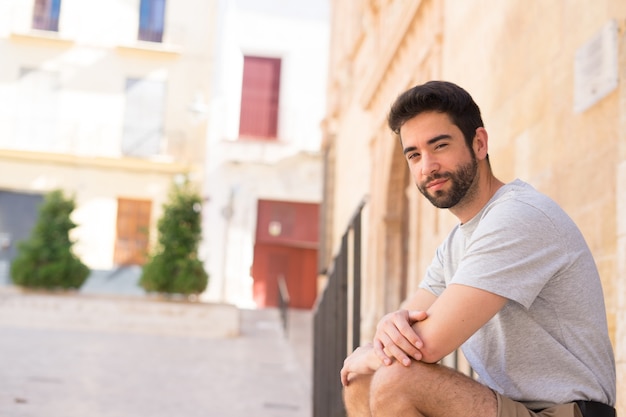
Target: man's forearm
(420, 300)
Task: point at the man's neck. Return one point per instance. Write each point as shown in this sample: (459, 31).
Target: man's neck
(486, 187)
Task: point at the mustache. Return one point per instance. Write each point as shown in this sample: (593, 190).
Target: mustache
(434, 177)
(438, 176)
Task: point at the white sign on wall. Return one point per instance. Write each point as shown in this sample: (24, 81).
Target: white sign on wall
(596, 68)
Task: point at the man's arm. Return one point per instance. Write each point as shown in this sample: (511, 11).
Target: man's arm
(456, 315)
(395, 338)
(451, 319)
(368, 358)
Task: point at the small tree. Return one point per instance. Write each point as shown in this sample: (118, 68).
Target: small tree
(45, 260)
(174, 267)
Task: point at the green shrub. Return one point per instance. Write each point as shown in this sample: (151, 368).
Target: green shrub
(45, 260)
(174, 267)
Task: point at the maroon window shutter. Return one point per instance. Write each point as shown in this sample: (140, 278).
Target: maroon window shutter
(259, 97)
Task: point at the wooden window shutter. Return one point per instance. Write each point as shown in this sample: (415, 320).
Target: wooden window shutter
(133, 223)
(259, 98)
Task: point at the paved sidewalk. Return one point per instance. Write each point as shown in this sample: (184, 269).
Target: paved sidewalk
(57, 372)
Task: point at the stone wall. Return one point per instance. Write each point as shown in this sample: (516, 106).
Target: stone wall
(518, 60)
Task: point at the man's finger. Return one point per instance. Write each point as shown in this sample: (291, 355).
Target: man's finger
(379, 350)
(398, 354)
(344, 377)
(417, 315)
(408, 333)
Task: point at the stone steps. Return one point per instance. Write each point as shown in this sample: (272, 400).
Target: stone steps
(118, 313)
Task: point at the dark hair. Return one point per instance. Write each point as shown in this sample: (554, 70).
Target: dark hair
(438, 96)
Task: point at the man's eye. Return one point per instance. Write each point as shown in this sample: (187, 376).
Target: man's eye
(413, 156)
(441, 146)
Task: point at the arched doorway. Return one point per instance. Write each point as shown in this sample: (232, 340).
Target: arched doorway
(396, 230)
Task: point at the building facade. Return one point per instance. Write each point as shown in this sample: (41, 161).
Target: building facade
(104, 100)
(549, 78)
(263, 171)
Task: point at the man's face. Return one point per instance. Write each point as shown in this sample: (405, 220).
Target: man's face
(443, 167)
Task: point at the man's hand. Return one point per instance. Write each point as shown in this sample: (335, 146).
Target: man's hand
(362, 361)
(395, 338)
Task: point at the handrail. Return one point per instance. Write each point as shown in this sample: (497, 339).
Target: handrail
(283, 301)
(337, 324)
(336, 316)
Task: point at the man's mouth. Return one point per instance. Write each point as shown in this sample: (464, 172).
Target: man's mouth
(436, 184)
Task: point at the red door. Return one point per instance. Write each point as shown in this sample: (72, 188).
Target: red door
(286, 246)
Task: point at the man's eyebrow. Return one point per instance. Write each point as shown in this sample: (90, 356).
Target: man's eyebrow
(430, 142)
(438, 138)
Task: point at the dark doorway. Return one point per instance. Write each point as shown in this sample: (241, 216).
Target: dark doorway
(18, 214)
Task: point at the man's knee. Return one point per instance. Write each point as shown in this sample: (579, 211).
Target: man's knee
(425, 388)
(396, 384)
(356, 396)
(394, 388)
(363, 396)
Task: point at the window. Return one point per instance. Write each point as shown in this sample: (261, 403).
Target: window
(259, 97)
(36, 106)
(46, 15)
(143, 117)
(133, 222)
(151, 20)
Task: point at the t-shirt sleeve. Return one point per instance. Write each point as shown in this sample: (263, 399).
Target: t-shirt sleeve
(513, 252)
(434, 279)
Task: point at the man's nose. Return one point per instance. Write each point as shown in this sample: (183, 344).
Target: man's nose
(429, 165)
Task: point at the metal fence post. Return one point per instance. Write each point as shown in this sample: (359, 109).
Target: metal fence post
(331, 322)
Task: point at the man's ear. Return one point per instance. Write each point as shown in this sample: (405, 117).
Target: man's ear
(480, 143)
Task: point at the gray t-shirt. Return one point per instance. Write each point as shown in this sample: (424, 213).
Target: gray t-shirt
(549, 344)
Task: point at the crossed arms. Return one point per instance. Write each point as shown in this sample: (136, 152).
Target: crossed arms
(426, 329)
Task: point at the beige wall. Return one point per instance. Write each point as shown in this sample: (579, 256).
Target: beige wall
(95, 184)
(620, 279)
(517, 59)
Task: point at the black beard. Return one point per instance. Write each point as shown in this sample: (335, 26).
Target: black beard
(461, 179)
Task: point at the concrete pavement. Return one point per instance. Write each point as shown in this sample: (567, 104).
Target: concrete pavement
(68, 371)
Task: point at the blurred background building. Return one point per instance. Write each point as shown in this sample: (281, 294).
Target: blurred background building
(263, 167)
(550, 78)
(103, 100)
(112, 102)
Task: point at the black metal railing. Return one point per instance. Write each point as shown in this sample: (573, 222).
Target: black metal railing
(336, 323)
(283, 302)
